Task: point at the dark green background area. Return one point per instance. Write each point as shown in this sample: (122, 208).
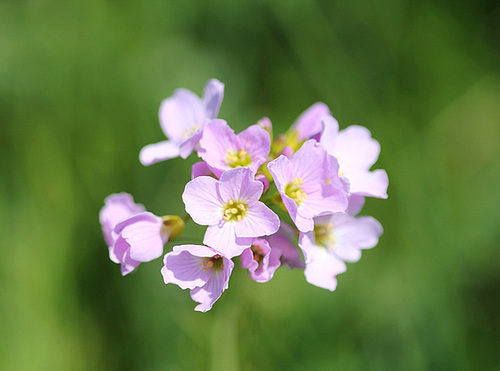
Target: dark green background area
(80, 87)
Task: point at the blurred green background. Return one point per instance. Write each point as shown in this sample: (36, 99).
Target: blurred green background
(80, 86)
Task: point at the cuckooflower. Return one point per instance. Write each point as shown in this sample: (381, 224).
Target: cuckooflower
(308, 124)
(200, 269)
(356, 151)
(336, 238)
(182, 118)
(260, 261)
(117, 207)
(139, 238)
(222, 149)
(231, 208)
(309, 184)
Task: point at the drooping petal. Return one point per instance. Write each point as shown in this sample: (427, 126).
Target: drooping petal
(208, 294)
(185, 269)
(322, 271)
(202, 200)
(143, 232)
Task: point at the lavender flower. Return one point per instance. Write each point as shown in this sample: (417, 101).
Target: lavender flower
(200, 269)
(223, 150)
(231, 208)
(182, 118)
(308, 184)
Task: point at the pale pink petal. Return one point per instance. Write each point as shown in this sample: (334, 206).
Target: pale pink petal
(217, 139)
(202, 200)
(201, 169)
(223, 238)
(212, 98)
(308, 123)
(185, 269)
(180, 114)
(189, 145)
(143, 232)
(258, 221)
(322, 271)
(368, 183)
(117, 207)
(356, 203)
(153, 153)
(355, 148)
(257, 143)
(329, 134)
(239, 185)
(208, 294)
(307, 162)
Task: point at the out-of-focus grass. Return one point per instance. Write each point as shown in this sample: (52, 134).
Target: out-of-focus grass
(80, 85)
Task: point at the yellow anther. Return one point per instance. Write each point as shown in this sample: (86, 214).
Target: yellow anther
(295, 192)
(234, 211)
(238, 158)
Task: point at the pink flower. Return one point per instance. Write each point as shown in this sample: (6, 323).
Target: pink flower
(231, 208)
(199, 268)
(224, 150)
(117, 207)
(182, 118)
(139, 238)
(260, 261)
(336, 238)
(309, 184)
(356, 151)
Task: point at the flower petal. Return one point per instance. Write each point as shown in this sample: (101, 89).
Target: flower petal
(153, 153)
(202, 200)
(212, 97)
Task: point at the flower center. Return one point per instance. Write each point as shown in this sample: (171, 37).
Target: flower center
(324, 237)
(295, 192)
(188, 133)
(214, 263)
(238, 158)
(258, 253)
(234, 211)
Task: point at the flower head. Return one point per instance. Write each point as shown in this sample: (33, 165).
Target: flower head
(337, 237)
(182, 119)
(308, 184)
(231, 208)
(259, 260)
(222, 149)
(201, 269)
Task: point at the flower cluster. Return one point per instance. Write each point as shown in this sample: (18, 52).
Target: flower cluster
(289, 200)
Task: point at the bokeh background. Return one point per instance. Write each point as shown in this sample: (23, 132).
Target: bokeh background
(80, 86)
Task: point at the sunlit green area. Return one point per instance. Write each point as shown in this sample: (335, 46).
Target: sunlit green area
(80, 86)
